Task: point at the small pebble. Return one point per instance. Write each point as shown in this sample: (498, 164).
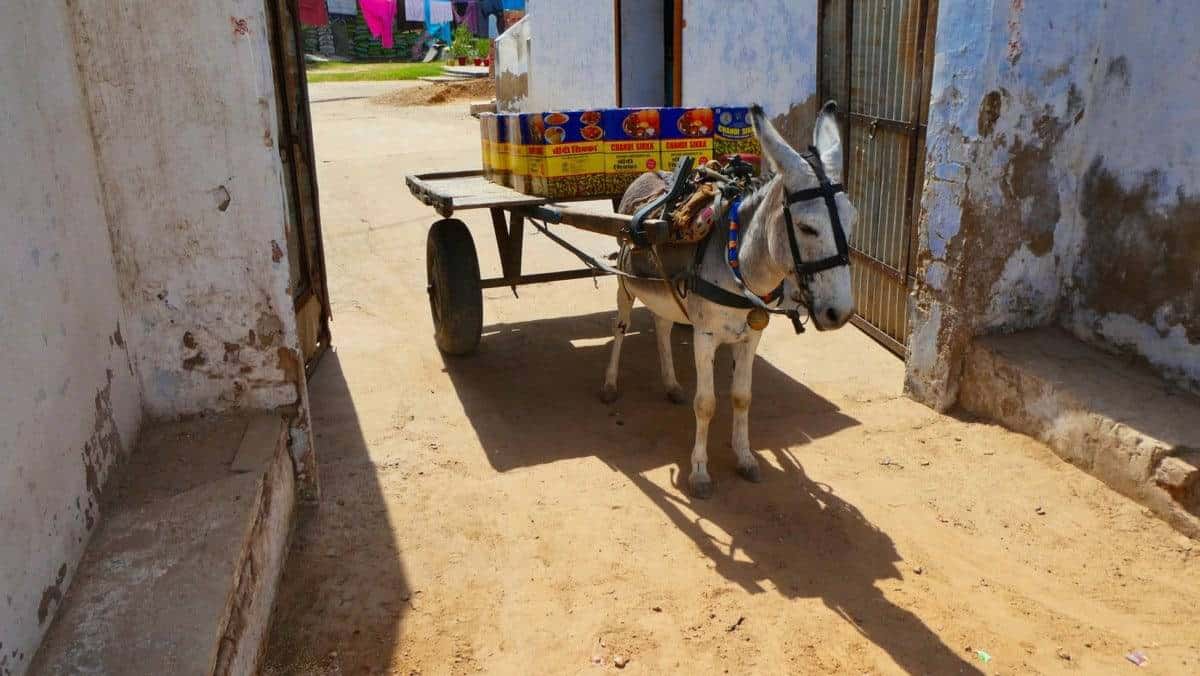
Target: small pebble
(1039, 511)
(657, 609)
(918, 570)
(620, 661)
(1063, 654)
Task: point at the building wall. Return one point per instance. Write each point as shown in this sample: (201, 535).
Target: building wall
(1055, 178)
(512, 68)
(766, 56)
(185, 128)
(69, 407)
(572, 55)
(1136, 287)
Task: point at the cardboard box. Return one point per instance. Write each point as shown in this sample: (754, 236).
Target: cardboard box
(686, 132)
(500, 151)
(574, 158)
(734, 133)
(518, 153)
(535, 152)
(485, 143)
(631, 144)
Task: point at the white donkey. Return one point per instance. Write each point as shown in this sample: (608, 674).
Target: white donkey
(793, 228)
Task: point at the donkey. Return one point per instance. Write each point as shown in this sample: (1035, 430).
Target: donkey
(809, 263)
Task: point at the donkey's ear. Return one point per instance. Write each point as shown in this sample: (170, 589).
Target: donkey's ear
(828, 140)
(782, 157)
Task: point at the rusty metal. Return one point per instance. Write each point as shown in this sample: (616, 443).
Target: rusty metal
(886, 45)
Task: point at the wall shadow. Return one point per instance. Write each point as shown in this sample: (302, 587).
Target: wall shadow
(531, 396)
(343, 592)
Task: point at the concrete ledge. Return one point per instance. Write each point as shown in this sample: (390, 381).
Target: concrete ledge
(181, 575)
(1119, 422)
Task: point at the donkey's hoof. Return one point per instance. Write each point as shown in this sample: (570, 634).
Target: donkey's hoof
(750, 473)
(676, 396)
(700, 486)
(608, 394)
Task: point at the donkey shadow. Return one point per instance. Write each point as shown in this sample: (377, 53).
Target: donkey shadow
(531, 394)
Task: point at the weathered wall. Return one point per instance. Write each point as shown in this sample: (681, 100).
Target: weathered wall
(69, 407)
(572, 55)
(1024, 222)
(643, 65)
(1136, 288)
(767, 56)
(512, 68)
(185, 129)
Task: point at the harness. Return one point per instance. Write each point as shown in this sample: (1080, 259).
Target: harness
(690, 282)
(826, 190)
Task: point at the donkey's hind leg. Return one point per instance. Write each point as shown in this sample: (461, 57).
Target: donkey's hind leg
(608, 393)
(666, 361)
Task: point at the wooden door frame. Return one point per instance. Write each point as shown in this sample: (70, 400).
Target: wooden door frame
(676, 50)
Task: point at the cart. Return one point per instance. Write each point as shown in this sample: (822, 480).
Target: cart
(452, 265)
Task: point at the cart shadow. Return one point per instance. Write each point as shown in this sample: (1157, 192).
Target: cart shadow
(531, 394)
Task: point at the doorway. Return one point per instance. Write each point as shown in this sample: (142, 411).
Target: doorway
(306, 252)
(648, 41)
(875, 58)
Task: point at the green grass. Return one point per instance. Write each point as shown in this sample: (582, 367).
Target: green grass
(334, 71)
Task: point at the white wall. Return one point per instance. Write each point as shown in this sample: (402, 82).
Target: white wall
(183, 106)
(737, 55)
(69, 404)
(572, 56)
(643, 66)
(512, 68)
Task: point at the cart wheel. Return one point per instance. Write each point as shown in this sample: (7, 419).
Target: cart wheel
(454, 294)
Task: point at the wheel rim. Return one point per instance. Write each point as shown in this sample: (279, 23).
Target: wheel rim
(434, 305)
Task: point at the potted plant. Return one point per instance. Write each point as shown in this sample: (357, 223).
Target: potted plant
(483, 52)
(462, 45)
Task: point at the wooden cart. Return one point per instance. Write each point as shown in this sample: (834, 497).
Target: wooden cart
(452, 265)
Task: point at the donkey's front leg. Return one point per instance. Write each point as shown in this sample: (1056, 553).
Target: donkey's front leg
(743, 368)
(705, 405)
(608, 393)
(666, 361)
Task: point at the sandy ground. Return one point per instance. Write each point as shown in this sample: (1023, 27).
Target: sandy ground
(490, 515)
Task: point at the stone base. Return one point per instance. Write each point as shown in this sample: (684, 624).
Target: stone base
(181, 575)
(1119, 422)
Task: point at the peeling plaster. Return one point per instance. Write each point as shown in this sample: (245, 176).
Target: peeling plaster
(1012, 234)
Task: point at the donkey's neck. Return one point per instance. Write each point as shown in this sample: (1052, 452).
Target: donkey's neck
(760, 259)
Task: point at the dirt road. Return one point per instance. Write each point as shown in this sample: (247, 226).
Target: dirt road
(490, 515)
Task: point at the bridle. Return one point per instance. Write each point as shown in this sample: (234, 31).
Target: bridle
(826, 190)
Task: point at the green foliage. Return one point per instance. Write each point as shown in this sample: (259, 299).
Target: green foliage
(463, 43)
(483, 47)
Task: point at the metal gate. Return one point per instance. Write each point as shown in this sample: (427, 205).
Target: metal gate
(875, 59)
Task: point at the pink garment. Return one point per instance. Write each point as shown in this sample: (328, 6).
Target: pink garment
(380, 16)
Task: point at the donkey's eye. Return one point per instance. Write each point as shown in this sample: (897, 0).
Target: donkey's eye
(809, 230)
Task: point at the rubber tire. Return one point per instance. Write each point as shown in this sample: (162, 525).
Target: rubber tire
(455, 298)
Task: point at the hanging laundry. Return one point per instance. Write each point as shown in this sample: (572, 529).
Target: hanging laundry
(380, 17)
(343, 7)
(414, 10)
(440, 11)
(438, 18)
(313, 13)
(467, 14)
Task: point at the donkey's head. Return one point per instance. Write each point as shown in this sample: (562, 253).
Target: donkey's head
(810, 222)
